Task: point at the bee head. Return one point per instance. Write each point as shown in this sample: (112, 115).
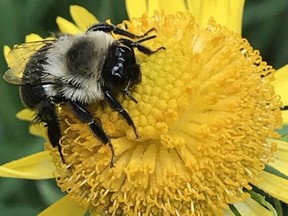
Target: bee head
(120, 70)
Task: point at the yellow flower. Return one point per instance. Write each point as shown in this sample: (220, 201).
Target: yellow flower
(207, 113)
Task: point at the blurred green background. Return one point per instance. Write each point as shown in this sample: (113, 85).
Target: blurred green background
(265, 26)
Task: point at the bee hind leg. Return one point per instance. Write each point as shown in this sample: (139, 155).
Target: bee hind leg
(54, 134)
(47, 114)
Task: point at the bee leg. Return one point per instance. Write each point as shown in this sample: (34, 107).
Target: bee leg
(105, 27)
(54, 134)
(85, 117)
(47, 114)
(139, 46)
(114, 104)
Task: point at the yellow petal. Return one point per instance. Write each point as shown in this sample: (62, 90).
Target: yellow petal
(64, 207)
(225, 12)
(275, 186)
(228, 212)
(82, 18)
(67, 27)
(36, 166)
(35, 129)
(280, 162)
(137, 8)
(26, 115)
(38, 130)
(252, 208)
(6, 50)
(169, 6)
(33, 37)
(281, 84)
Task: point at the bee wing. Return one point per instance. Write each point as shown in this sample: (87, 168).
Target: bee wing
(9, 77)
(17, 59)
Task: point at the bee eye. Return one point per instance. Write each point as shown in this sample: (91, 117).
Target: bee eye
(123, 52)
(117, 71)
(119, 68)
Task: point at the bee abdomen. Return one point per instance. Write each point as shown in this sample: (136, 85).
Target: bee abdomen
(32, 95)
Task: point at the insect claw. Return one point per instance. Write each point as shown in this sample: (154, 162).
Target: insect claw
(113, 154)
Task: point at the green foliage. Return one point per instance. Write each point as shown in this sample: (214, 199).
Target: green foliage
(264, 25)
(261, 200)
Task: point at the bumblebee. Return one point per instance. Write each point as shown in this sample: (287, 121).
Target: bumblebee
(78, 70)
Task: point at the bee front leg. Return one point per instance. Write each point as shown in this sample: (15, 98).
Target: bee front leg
(105, 27)
(139, 46)
(114, 104)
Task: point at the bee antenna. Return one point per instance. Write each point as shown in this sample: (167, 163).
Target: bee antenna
(131, 97)
(129, 93)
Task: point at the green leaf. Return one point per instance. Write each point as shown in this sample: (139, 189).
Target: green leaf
(234, 210)
(278, 207)
(261, 200)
